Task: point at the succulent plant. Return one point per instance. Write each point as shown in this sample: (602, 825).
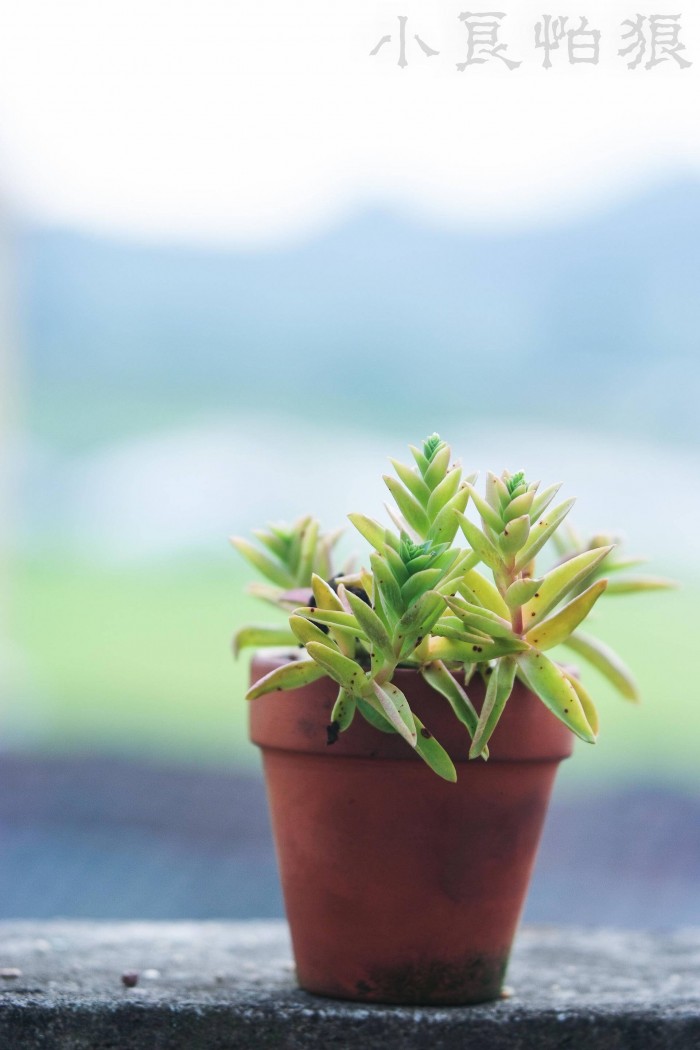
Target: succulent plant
(449, 611)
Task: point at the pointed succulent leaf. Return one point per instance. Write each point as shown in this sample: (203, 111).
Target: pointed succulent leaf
(443, 493)
(395, 706)
(306, 631)
(444, 527)
(421, 615)
(557, 628)
(276, 544)
(417, 585)
(476, 588)
(540, 532)
(549, 682)
(370, 624)
(557, 583)
(421, 462)
(452, 651)
(439, 678)
(496, 492)
(520, 592)
(255, 636)
(498, 690)
(542, 501)
(486, 511)
(515, 534)
(373, 532)
(480, 543)
(520, 505)
(329, 616)
(307, 554)
(433, 753)
(324, 595)
(633, 584)
(274, 572)
(291, 675)
(438, 467)
(343, 710)
(408, 505)
(606, 661)
(589, 708)
(413, 482)
(480, 618)
(341, 668)
(388, 587)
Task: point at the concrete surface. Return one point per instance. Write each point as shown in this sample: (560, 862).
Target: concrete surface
(219, 986)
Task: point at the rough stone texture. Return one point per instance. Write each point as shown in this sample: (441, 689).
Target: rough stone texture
(231, 985)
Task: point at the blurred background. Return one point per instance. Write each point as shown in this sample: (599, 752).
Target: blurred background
(242, 262)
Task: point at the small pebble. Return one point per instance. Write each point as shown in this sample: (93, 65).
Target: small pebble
(130, 979)
(507, 992)
(151, 975)
(10, 973)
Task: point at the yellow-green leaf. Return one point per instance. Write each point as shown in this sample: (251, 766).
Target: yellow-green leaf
(291, 675)
(557, 583)
(341, 668)
(433, 753)
(557, 628)
(606, 661)
(549, 682)
(498, 690)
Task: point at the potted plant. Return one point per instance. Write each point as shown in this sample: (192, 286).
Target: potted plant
(411, 734)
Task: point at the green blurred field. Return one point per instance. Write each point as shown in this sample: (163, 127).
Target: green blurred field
(136, 661)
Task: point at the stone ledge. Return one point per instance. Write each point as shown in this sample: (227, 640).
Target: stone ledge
(221, 986)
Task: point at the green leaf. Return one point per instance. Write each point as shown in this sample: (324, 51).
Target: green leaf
(489, 515)
(541, 531)
(498, 691)
(373, 532)
(408, 505)
(276, 544)
(480, 544)
(292, 675)
(438, 468)
(433, 753)
(387, 585)
(307, 554)
(557, 583)
(306, 631)
(606, 661)
(253, 635)
(589, 708)
(445, 525)
(330, 617)
(343, 710)
(375, 716)
(341, 668)
(324, 595)
(420, 459)
(274, 572)
(496, 492)
(478, 589)
(370, 624)
(520, 592)
(557, 628)
(515, 535)
(542, 501)
(395, 707)
(444, 492)
(439, 678)
(480, 618)
(417, 585)
(520, 505)
(549, 682)
(634, 584)
(418, 620)
(413, 482)
(461, 652)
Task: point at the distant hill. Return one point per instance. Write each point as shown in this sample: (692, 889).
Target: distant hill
(593, 323)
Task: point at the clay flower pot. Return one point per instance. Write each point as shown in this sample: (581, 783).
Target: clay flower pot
(400, 887)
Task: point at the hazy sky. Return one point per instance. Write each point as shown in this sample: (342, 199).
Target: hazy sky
(245, 120)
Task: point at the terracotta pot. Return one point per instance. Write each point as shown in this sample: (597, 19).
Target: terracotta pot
(400, 887)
